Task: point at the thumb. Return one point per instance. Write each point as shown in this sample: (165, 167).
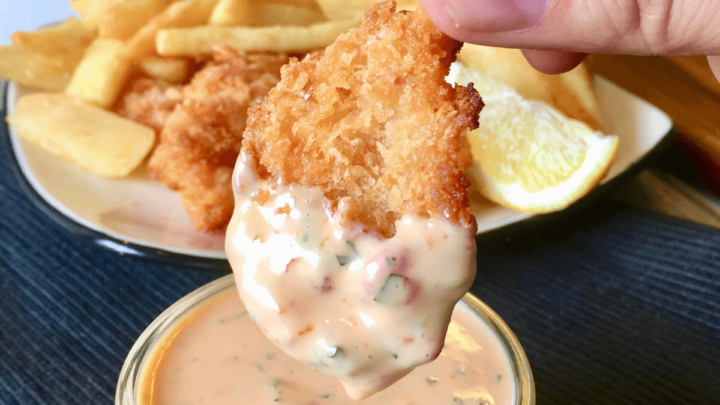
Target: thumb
(639, 27)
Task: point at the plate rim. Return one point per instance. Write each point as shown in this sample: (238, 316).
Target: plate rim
(118, 245)
(19, 145)
(167, 256)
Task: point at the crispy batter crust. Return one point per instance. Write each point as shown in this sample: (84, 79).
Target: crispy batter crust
(149, 102)
(201, 138)
(371, 120)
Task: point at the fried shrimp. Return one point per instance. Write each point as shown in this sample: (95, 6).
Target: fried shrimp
(201, 138)
(353, 239)
(372, 122)
(149, 102)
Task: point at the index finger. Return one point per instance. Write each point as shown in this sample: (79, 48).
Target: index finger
(640, 27)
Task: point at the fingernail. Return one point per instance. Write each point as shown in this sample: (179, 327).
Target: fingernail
(496, 15)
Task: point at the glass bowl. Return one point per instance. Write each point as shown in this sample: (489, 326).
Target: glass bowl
(131, 372)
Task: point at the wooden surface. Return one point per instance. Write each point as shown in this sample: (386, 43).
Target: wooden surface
(662, 192)
(686, 89)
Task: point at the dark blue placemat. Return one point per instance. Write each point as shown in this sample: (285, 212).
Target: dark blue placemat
(616, 306)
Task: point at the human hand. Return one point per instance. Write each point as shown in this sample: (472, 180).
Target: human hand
(555, 35)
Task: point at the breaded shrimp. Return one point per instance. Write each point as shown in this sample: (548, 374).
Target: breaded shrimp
(149, 102)
(201, 137)
(372, 122)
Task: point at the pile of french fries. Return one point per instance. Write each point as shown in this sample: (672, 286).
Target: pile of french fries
(82, 65)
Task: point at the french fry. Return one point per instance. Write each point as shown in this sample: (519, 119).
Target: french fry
(183, 13)
(123, 19)
(81, 6)
(200, 40)
(565, 92)
(284, 14)
(255, 14)
(97, 141)
(231, 13)
(311, 4)
(409, 5)
(507, 66)
(345, 9)
(348, 9)
(32, 69)
(308, 12)
(89, 9)
(65, 43)
(172, 70)
(101, 74)
(580, 85)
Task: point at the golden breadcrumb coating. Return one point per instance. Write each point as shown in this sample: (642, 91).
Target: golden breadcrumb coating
(201, 138)
(149, 102)
(372, 121)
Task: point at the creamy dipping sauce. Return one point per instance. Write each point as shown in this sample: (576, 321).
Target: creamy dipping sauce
(216, 355)
(359, 307)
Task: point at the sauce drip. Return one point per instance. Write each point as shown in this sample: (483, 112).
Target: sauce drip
(359, 307)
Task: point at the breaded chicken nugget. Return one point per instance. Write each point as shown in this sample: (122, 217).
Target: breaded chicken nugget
(201, 137)
(372, 122)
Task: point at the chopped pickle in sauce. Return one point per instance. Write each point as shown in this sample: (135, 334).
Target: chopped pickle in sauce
(395, 291)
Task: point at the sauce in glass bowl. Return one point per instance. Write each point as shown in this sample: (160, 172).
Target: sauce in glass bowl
(205, 349)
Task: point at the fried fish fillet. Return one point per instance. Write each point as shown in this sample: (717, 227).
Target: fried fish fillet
(373, 123)
(201, 138)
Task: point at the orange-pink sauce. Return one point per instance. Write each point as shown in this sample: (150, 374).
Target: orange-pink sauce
(216, 355)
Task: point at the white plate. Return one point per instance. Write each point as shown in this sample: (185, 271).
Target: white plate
(137, 215)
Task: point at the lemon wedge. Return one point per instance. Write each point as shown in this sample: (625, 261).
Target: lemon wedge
(527, 155)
